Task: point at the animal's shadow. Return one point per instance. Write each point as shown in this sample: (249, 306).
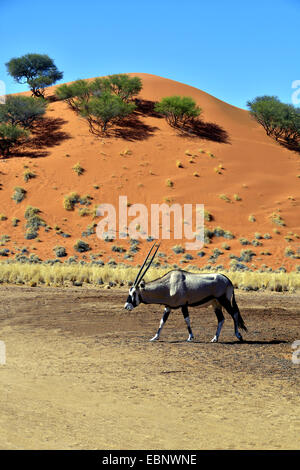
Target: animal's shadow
(273, 341)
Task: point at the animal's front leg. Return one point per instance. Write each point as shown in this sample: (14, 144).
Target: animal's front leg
(187, 321)
(162, 322)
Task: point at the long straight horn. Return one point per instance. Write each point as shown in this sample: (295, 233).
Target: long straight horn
(149, 264)
(137, 277)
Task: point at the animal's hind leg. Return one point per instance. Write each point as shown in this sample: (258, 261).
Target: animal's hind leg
(220, 317)
(185, 312)
(227, 305)
(162, 322)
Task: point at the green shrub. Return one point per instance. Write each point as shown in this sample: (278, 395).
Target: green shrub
(179, 111)
(81, 246)
(178, 249)
(70, 200)
(10, 136)
(28, 175)
(22, 111)
(19, 194)
(60, 251)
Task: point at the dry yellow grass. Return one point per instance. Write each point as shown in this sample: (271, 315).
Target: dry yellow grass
(62, 274)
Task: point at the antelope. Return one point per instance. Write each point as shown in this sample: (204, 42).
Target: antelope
(182, 289)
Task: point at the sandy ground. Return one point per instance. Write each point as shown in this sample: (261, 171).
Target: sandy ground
(81, 374)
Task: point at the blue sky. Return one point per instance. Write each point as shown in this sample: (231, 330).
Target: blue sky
(231, 49)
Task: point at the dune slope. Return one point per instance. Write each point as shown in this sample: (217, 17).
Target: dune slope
(230, 156)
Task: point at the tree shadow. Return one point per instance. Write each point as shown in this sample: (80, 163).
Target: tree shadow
(204, 130)
(47, 133)
(44, 134)
(294, 146)
(146, 108)
(132, 129)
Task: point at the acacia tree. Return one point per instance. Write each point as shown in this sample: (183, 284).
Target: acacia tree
(37, 70)
(22, 110)
(124, 86)
(102, 102)
(75, 94)
(179, 111)
(105, 109)
(279, 120)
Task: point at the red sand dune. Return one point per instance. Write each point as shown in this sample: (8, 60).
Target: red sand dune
(260, 171)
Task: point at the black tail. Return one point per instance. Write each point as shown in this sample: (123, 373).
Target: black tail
(241, 323)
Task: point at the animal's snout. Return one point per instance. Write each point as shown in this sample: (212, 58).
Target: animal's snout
(128, 306)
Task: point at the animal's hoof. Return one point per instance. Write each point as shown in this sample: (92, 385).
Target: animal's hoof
(155, 338)
(214, 340)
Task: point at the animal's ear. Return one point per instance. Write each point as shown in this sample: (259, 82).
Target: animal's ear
(142, 284)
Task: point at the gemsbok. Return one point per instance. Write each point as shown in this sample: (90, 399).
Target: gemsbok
(182, 289)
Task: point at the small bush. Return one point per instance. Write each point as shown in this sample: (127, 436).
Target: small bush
(78, 169)
(178, 249)
(81, 246)
(224, 197)
(31, 234)
(277, 219)
(27, 175)
(244, 241)
(225, 246)
(83, 211)
(207, 216)
(118, 249)
(19, 194)
(70, 200)
(60, 251)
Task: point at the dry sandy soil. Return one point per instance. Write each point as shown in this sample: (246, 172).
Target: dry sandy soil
(81, 374)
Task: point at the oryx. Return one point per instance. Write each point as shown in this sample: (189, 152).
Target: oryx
(182, 289)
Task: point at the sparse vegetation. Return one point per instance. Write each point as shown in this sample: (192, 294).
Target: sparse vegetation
(78, 169)
(27, 175)
(178, 249)
(70, 200)
(60, 251)
(277, 219)
(224, 197)
(81, 246)
(19, 194)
